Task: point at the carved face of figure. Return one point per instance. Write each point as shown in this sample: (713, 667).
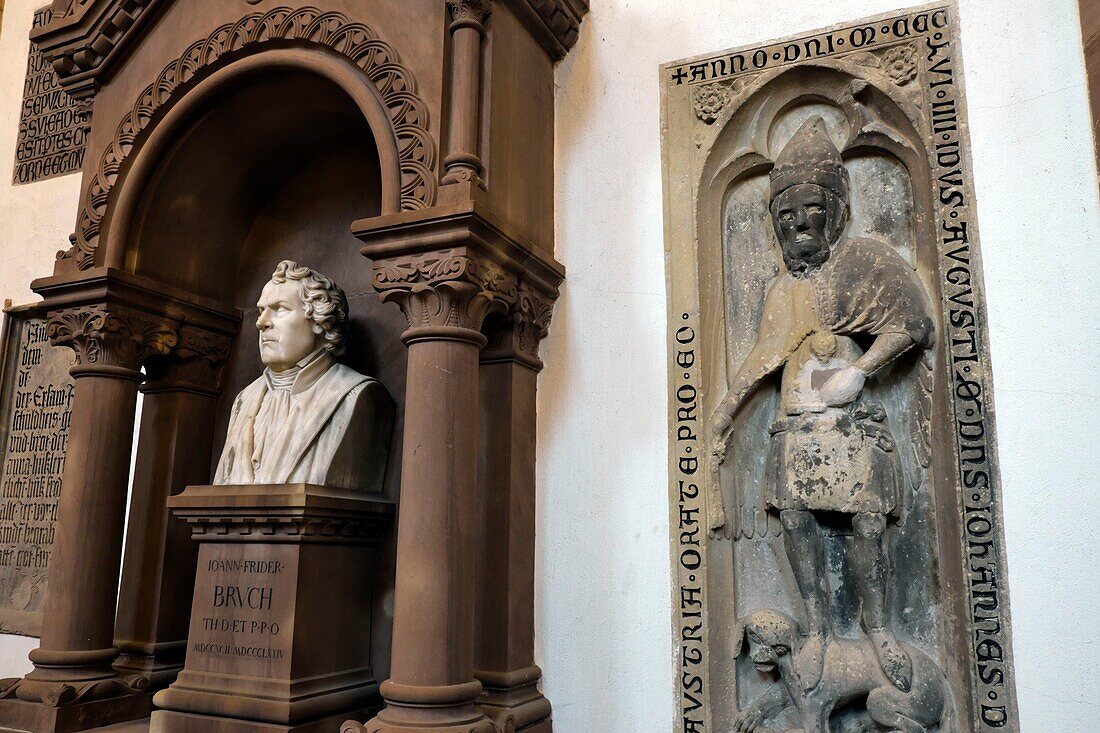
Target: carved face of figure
(764, 652)
(770, 635)
(287, 335)
(805, 218)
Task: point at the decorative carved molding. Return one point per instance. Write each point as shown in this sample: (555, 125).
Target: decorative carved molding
(519, 335)
(85, 34)
(195, 364)
(532, 318)
(471, 11)
(378, 60)
(445, 288)
(110, 338)
(556, 23)
(60, 694)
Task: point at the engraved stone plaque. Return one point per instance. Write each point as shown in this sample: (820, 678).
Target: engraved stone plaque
(35, 404)
(835, 516)
(52, 131)
(244, 601)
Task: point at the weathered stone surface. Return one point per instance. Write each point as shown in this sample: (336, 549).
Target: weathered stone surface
(834, 492)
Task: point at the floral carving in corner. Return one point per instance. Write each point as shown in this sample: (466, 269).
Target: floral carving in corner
(709, 100)
(898, 62)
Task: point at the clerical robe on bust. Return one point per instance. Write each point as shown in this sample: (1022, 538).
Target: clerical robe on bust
(307, 419)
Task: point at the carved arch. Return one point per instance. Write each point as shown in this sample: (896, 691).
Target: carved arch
(379, 62)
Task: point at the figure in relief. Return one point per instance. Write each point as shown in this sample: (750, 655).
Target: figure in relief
(307, 419)
(831, 454)
(850, 672)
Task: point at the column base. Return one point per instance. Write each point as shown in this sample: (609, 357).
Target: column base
(40, 717)
(160, 667)
(427, 709)
(513, 702)
(172, 721)
(479, 724)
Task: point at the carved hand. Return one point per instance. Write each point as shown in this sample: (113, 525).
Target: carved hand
(843, 387)
(748, 720)
(721, 429)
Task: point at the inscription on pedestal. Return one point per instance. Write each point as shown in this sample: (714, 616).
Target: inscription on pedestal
(243, 608)
(52, 131)
(35, 409)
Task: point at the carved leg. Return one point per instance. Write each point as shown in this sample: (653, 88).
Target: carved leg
(869, 560)
(806, 552)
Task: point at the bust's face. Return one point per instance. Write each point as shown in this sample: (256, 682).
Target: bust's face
(801, 217)
(286, 335)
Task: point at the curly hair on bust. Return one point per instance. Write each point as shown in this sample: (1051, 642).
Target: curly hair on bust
(323, 301)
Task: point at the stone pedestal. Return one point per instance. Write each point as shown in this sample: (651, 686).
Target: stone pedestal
(277, 640)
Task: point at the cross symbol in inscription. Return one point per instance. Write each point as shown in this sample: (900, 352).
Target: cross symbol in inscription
(680, 75)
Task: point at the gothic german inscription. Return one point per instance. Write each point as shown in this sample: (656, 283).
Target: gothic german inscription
(52, 130)
(834, 494)
(36, 400)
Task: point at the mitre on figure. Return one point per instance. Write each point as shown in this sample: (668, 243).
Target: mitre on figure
(308, 418)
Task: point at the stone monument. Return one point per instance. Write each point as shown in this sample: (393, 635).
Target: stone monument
(379, 173)
(35, 415)
(291, 522)
(834, 491)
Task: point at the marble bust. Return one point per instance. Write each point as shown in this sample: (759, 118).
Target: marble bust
(308, 418)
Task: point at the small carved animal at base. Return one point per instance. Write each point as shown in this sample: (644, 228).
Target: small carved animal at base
(851, 673)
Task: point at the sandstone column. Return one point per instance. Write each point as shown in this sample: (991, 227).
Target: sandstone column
(505, 660)
(174, 444)
(446, 282)
(463, 160)
(73, 663)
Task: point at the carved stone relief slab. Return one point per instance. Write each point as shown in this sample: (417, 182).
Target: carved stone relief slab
(52, 126)
(35, 407)
(835, 512)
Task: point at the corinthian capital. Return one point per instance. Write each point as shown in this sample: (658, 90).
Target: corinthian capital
(517, 337)
(445, 288)
(195, 364)
(110, 339)
(473, 11)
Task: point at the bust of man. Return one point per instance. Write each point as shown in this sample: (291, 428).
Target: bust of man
(307, 419)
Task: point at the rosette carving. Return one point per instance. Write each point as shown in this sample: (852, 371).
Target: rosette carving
(110, 338)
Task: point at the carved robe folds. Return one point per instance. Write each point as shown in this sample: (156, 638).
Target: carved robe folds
(329, 427)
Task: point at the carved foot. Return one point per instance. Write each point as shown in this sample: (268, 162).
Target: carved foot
(894, 660)
(809, 662)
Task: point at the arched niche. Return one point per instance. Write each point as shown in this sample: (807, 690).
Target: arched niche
(878, 133)
(271, 158)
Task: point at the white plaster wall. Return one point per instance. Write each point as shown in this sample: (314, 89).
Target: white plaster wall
(35, 221)
(604, 638)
